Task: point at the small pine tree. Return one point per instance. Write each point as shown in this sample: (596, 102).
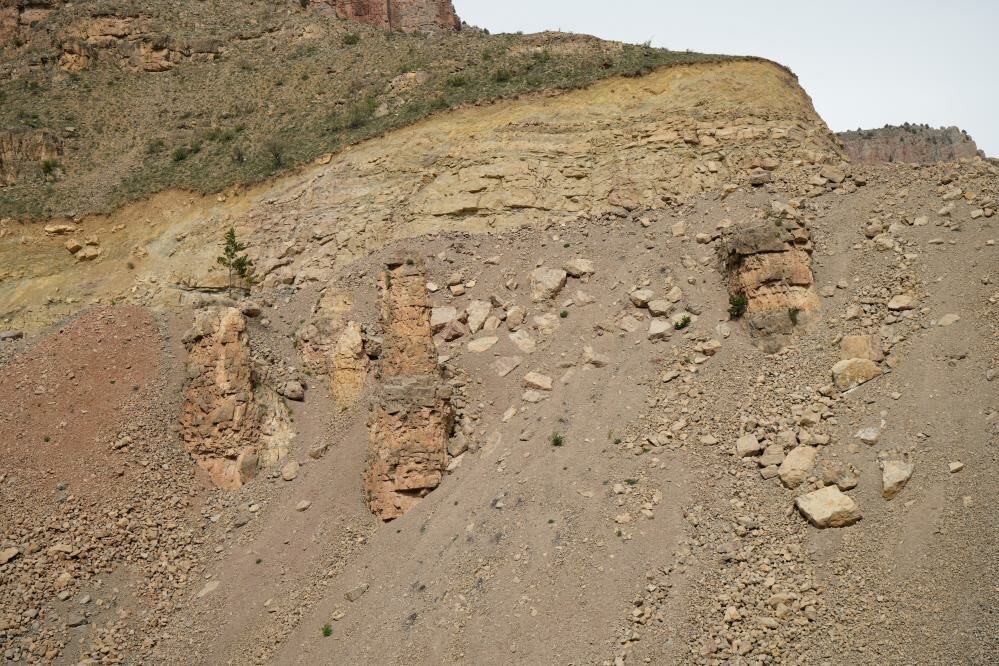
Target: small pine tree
(239, 265)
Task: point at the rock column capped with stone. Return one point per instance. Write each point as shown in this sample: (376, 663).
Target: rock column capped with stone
(226, 424)
(768, 262)
(411, 415)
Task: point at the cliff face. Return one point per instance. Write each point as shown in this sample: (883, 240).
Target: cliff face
(401, 15)
(908, 143)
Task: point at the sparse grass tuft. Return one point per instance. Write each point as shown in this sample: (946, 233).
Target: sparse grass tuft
(327, 630)
(792, 314)
(557, 439)
(682, 323)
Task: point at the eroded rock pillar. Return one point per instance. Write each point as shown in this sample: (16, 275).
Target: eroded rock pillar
(411, 414)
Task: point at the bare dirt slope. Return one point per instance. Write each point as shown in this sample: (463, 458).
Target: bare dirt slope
(610, 517)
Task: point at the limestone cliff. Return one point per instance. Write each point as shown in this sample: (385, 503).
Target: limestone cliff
(411, 416)
(909, 144)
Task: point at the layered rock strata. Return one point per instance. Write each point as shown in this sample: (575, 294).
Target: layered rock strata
(411, 415)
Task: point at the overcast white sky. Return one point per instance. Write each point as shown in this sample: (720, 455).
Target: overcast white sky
(865, 64)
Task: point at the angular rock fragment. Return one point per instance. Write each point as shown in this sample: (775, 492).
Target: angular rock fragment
(797, 465)
(828, 507)
(894, 475)
(861, 346)
(546, 283)
(853, 372)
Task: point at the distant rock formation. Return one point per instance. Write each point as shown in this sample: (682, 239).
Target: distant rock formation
(228, 425)
(909, 144)
(401, 15)
(412, 415)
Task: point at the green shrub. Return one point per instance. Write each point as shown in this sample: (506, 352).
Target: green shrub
(351, 38)
(737, 305)
(327, 630)
(557, 439)
(792, 314)
(502, 75)
(682, 323)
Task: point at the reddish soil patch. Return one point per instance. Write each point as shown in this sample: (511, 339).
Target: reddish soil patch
(61, 394)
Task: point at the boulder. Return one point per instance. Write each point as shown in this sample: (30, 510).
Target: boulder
(640, 298)
(901, 302)
(894, 475)
(748, 445)
(546, 283)
(478, 312)
(578, 267)
(828, 507)
(797, 466)
(853, 372)
(861, 346)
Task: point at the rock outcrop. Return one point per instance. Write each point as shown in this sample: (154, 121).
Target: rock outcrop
(769, 265)
(22, 154)
(411, 416)
(230, 426)
(132, 42)
(401, 15)
(909, 143)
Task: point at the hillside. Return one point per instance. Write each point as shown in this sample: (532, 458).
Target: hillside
(640, 370)
(910, 144)
(105, 103)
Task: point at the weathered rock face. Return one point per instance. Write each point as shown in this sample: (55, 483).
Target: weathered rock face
(769, 262)
(411, 417)
(229, 427)
(909, 143)
(132, 42)
(403, 15)
(16, 19)
(22, 154)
